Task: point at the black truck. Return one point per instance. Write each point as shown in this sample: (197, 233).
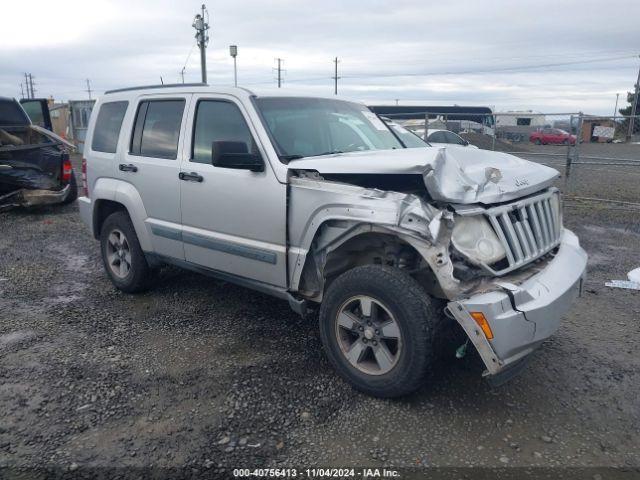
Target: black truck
(35, 167)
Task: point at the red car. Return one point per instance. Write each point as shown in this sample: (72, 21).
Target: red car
(553, 136)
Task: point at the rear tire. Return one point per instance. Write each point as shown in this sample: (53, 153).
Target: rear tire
(123, 259)
(359, 351)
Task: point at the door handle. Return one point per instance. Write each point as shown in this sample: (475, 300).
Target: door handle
(190, 177)
(128, 168)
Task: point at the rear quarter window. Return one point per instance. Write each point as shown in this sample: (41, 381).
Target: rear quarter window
(108, 124)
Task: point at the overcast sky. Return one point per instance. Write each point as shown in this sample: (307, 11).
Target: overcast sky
(549, 56)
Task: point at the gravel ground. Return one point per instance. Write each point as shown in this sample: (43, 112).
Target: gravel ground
(211, 376)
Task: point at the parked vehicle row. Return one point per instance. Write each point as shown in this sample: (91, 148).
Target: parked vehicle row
(319, 202)
(552, 136)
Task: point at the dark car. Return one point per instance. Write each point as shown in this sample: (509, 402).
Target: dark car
(553, 136)
(35, 168)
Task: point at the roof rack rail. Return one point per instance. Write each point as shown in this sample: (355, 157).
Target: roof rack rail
(166, 85)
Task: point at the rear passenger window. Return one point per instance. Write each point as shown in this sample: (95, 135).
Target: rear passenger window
(157, 129)
(108, 124)
(218, 121)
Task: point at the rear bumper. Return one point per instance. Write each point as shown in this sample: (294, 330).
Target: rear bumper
(33, 198)
(522, 316)
(86, 212)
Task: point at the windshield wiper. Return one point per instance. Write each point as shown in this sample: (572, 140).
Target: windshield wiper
(333, 152)
(288, 158)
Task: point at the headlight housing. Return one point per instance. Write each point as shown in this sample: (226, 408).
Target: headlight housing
(473, 237)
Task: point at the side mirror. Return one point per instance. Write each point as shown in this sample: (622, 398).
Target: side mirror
(227, 154)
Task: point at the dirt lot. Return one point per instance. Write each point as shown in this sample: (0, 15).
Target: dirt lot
(211, 376)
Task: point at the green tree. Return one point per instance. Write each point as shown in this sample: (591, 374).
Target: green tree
(626, 111)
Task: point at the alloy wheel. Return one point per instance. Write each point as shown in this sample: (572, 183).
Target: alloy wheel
(368, 334)
(118, 254)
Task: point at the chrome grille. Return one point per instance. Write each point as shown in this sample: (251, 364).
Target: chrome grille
(528, 228)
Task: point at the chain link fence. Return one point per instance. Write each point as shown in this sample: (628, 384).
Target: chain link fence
(598, 157)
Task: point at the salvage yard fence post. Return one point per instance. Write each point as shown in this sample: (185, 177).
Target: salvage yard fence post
(426, 126)
(573, 157)
(495, 128)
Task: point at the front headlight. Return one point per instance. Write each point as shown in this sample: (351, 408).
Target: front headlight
(474, 238)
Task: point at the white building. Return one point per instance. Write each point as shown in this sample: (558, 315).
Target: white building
(526, 118)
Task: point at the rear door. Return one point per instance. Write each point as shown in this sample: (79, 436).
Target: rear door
(151, 165)
(233, 221)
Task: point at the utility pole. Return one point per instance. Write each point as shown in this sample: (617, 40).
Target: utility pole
(21, 90)
(26, 84)
(33, 90)
(615, 110)
(634, 104)
(279, 69)
(88, 90)
(335, 76)
(182, 74)
(202, 38)
(233, 51)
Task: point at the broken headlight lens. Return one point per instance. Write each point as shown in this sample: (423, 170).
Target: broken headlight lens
(474, 238)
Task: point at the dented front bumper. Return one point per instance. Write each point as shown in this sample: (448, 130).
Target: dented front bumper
(522, 316)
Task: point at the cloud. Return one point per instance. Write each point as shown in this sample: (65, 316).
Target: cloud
(505, 54)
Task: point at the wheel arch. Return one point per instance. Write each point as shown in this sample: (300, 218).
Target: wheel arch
(340, 245)
(109, 196)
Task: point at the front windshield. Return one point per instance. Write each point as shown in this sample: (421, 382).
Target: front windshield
(410, 139)
(307, 127)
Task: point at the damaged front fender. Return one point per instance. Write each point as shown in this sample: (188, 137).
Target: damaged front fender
(325, 214)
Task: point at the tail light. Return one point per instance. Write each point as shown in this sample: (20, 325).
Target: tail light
(67, 170)
(85, 185)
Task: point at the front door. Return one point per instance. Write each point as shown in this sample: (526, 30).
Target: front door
(233, 221)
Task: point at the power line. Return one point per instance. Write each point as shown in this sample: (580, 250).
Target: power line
(461, 72)
(487, 70)
(187, 61)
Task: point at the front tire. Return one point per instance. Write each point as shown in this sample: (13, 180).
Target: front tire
(378, 328)
(123, 259)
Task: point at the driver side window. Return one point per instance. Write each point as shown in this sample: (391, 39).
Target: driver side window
(218, 120)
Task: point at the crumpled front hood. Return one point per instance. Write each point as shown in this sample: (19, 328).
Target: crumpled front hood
(456, 175)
